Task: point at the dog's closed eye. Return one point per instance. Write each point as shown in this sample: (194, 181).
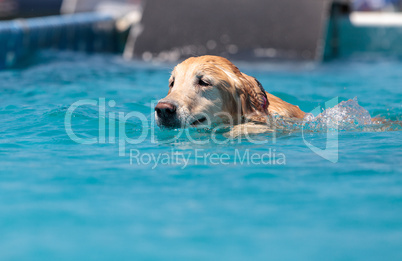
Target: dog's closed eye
(201, 82)
(171, 84)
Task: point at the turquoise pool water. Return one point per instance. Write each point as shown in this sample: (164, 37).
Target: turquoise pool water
(61, 200)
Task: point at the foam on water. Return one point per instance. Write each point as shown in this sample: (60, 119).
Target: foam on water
(346, 112)
(345, 116)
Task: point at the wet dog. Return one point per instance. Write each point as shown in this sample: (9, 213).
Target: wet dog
(209, 90)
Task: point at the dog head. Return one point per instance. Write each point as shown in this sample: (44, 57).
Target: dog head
(210, 89)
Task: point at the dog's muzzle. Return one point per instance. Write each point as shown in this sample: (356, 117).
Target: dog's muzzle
(167, 116)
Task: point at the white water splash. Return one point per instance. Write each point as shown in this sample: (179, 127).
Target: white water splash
(346, 115)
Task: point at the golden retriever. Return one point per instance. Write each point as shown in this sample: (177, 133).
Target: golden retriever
(210, 90)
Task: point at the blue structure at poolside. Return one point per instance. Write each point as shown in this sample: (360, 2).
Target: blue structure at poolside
(89, 32)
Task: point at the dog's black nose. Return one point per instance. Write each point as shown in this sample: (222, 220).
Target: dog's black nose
(165, 110)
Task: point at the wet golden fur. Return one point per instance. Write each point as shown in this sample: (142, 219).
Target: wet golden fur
(229, 92)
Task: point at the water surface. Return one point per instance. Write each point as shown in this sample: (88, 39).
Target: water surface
(60, 200)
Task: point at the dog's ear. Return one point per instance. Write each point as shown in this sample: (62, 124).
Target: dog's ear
(254, 101)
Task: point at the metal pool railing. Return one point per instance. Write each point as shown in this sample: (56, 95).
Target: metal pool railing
(88, 32)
